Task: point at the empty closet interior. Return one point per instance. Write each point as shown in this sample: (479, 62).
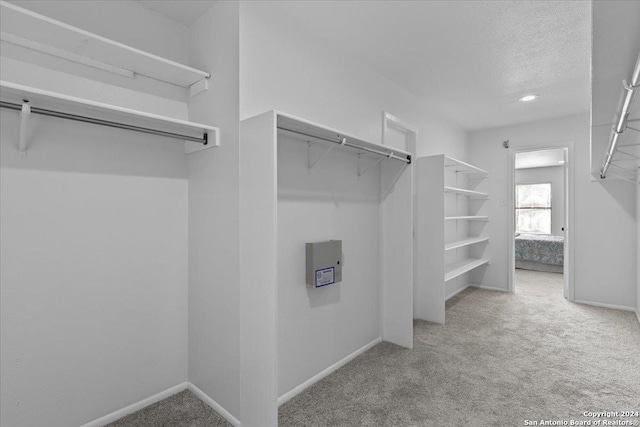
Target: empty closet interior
(304, 183)
(118, 195)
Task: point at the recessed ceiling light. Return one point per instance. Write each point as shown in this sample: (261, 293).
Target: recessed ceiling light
(561, 162)
(528, 98)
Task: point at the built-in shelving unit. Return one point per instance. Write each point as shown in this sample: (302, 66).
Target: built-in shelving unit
(33, 31)
(463, 262)
(30, 100)
(451, 238)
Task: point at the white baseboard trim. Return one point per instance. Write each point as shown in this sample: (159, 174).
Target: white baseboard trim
(456, 293)
(489, 288)
(311, 381)
(599, 304)
(116, 415)
(214, 405)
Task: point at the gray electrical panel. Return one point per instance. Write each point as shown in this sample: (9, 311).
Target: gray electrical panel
(324, 263)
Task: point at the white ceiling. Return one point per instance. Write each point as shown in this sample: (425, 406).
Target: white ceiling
(539, 159)
(470, 60)
(185, 12)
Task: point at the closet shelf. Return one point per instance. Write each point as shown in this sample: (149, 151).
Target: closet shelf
(462, 192)
(31, 30)
(55, 104)
(465, 168)
(309, 131)
(460, 267)
(465, 242)
(469, 218)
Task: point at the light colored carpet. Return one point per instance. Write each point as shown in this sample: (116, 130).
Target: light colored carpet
(181, 410)
(500, 359)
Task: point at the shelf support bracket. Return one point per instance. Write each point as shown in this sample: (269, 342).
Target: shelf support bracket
(628, 154)
(322, 156)
(365, 170)
(395, 181)
(25, 114)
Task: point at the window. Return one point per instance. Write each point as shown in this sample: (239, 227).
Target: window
(533, 208)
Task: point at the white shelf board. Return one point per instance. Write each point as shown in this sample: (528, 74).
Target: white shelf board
(458, 268)
(40, 29)
(470, 218)
(464, 192)
(459, 166)
(465, 242)
(39, 98)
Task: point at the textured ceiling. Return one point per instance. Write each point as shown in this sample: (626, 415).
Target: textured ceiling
(470, 60)
(185, 12)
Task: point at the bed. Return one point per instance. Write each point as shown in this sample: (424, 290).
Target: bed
(540, 252)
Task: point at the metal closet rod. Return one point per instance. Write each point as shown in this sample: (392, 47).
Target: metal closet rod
(338, 140)
(51, 113)
(621, 124)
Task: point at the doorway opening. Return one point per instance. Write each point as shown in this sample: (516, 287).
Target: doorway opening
(542, 188)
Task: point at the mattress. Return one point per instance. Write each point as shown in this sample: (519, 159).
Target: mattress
(542, 248)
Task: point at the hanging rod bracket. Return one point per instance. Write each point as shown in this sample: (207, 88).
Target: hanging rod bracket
(25, 114)
(630, 87)
(199, 87)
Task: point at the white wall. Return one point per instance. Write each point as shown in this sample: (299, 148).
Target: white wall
(284, 67)
(605, 224)
(93, 241)
(94, 271)
(554, 175)
(319, 327)
(214, 312)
